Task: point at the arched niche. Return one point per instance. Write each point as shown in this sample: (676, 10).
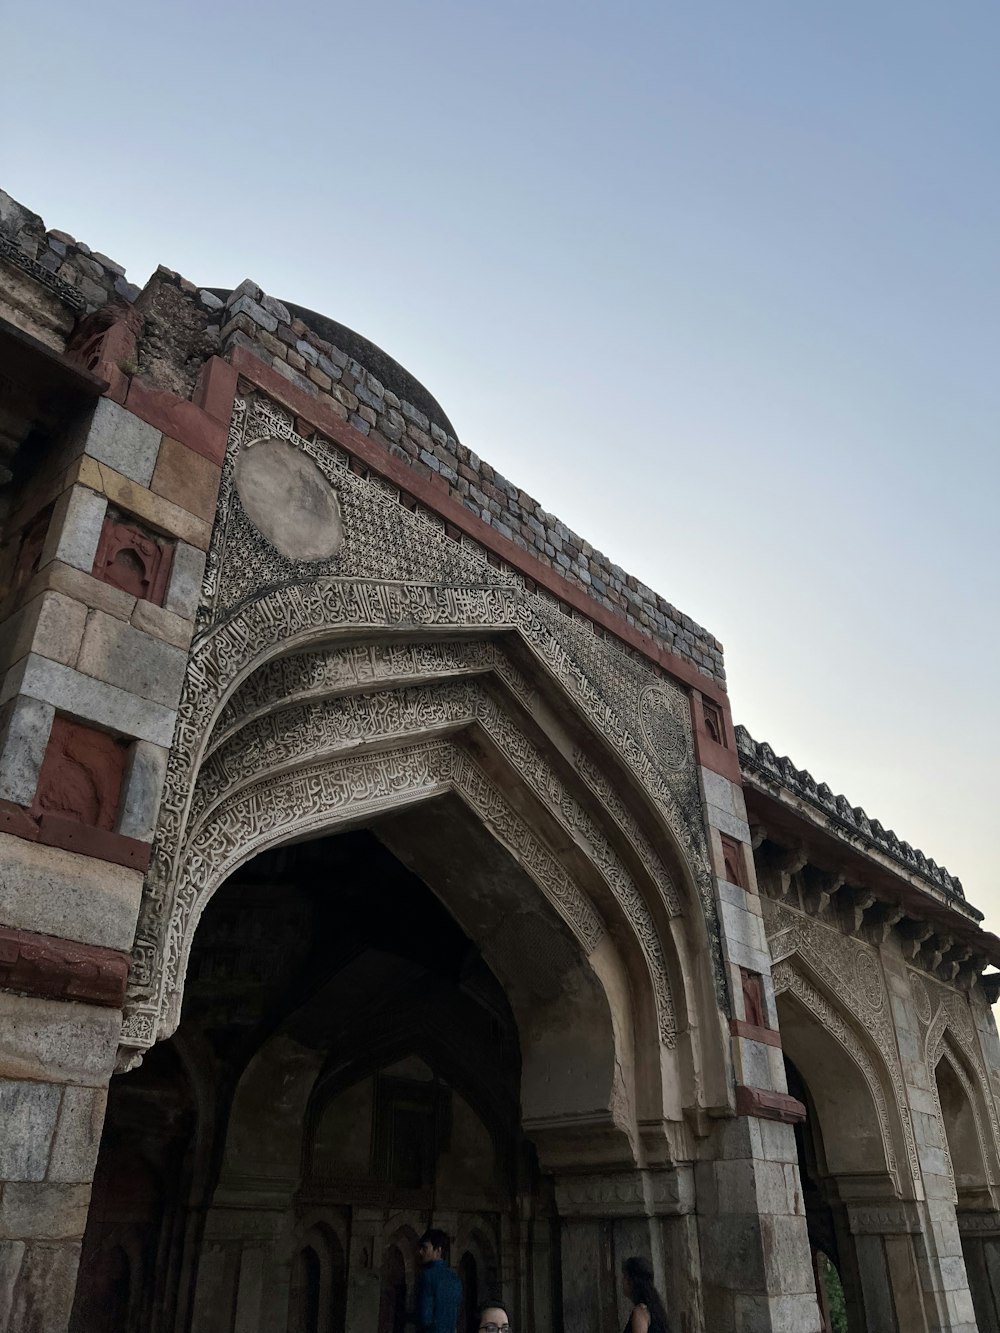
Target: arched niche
(318, 1292)
(963, 1130)
(862, 1139)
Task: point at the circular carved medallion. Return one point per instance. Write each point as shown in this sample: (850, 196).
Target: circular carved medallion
(289, 501)
(662, 728)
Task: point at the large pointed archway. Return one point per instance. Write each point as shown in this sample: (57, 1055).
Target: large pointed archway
(523, 766)
(365, 1058)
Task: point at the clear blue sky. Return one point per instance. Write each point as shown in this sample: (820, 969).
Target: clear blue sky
(716, 282)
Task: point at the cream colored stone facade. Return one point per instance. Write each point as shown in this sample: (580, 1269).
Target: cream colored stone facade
(365, 868)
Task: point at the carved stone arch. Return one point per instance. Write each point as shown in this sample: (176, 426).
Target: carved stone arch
(461, 773)
(280, 623)
(849, 973)
(942, 1044)
(306, 699)
(318, 800)
(278, 741)
(794, 977)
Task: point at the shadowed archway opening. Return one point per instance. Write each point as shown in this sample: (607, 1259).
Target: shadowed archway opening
(348, 1071)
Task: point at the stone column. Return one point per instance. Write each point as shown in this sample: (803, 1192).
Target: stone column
(56, 1058)
(101, 576)
(886, 1239)
(755, 1255)
(364, 1269)
(942, 1269)
(980, 1233)
(607, 1217)
(755, 1259)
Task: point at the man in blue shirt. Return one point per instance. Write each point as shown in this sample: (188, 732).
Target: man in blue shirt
(439, 1290)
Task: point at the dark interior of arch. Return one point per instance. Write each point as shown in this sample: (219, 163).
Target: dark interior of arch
(335, 950)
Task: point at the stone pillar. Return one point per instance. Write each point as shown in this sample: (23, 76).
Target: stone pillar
(886, 1238)
(56, 1058)
(755, 1259)
(243, 1266)
(755, 1255)
(942, 1270)
(100, 578)
(364, 1279)
(980, 1233)
(609, 1216)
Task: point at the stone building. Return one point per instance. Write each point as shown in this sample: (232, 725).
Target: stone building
(375, 853)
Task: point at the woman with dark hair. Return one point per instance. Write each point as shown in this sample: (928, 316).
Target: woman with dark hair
(649, 1314)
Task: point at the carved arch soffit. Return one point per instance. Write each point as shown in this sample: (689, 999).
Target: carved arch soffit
(262, 797)
(787, 978)
(272, 612)
(251, 795)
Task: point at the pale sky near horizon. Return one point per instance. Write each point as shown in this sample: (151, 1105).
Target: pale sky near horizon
(716, 282)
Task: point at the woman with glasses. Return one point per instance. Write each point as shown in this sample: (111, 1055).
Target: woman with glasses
(493, 1319)
(649, 1314)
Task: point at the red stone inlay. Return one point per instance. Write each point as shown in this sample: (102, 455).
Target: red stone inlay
(57, 969)
(715, 726)
(767, 1105)
(133, 560)
(81, 777)
(732, 856)
(768, 1036)
(753, 998)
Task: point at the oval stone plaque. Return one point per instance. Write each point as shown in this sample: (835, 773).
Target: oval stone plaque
(289, 501)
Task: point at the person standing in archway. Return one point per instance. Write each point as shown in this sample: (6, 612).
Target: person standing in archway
(649, 1314)
(439, 1290)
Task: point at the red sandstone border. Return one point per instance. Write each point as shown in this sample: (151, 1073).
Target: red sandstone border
(766, 1105)
(56, 969)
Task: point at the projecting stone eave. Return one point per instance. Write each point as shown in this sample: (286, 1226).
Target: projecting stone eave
(785, 800)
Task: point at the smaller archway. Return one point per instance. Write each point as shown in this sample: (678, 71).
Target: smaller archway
(397, 1283)
(963, 1133)
(853, 1150)
(318, 1293)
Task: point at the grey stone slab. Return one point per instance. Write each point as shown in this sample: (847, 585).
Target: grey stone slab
(43, 1297)
(75, 529)
(719, 792)
(25, 724)
(778, 1141)
(122, 441)
(128, 659)
(28, 1116)
(246, 305)
(78, 1135)
(186, 574)
(56, 892)
(55, 1041)
(755, 1062)
(143, 785)
(728, 823)
(42, 1211)
(91, 700)
(11, 1258)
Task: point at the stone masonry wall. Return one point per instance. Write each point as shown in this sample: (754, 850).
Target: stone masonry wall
(247, 317)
